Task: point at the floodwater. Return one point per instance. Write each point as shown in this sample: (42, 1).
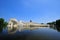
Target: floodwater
(43, 33)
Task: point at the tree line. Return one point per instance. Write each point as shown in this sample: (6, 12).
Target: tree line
(56, 23)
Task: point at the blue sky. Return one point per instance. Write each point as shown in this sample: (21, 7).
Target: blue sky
(41, 11)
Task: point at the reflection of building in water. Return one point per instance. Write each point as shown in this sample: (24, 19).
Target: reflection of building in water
(21, 25)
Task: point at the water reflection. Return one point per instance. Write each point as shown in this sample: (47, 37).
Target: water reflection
(33, 28)
(41, 33)
(58, 28)
(55, 28)
(44, 34)
(1, 29)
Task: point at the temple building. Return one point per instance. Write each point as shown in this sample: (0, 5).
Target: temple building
(13, 23)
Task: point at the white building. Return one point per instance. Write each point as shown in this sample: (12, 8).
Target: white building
(20, 25)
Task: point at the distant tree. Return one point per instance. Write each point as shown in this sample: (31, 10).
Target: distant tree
(3, 24)
(49, 23)
(52, 23)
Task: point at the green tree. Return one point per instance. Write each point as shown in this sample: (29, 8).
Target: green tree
(58, 22)
(52, 23)
(3, 24)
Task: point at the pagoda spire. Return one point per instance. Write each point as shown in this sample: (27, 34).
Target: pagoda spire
(30, 20)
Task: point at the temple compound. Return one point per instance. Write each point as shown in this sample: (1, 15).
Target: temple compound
(13, 23)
